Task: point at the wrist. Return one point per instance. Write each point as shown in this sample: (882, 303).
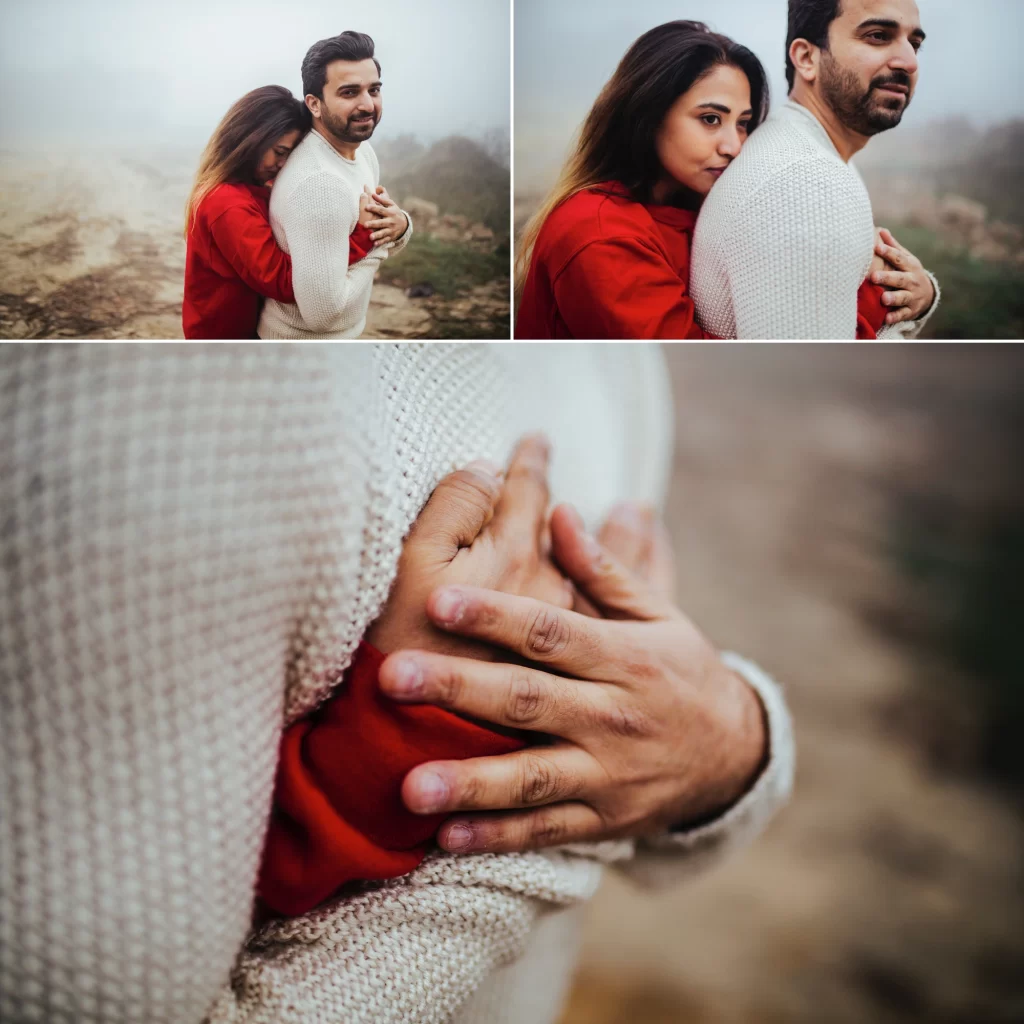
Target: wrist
(742, 752)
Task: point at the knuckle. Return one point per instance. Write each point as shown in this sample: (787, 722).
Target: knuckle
(469, 487)
(547, 635)
(526, 699)
(626, 721)
(549, 830)
(449, 688)
(539, 781)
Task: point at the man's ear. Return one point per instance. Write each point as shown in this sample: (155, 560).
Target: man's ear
(805, 57)
(313, 104)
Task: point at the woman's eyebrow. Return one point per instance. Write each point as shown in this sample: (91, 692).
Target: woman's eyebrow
(721, 108)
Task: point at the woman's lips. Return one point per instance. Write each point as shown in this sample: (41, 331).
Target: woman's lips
(716, 171)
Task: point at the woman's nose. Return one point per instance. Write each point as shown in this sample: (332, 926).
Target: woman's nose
(730, 143)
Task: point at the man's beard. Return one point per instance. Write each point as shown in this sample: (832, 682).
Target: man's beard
(856, 110)
(344, 130)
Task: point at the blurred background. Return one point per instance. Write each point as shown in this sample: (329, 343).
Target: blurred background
(850, 517)
(109, 103)
(949, 181)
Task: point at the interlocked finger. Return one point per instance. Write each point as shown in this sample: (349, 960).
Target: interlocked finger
(515, 696)
(531, 777)
(555, 825)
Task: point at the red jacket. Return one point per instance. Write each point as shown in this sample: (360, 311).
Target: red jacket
(233, 261)
(606, 266)
(338, 814)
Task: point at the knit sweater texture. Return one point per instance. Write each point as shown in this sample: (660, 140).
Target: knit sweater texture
(785, 239)
(314, 206)
(194, 540)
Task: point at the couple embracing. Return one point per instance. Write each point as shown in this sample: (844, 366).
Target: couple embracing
(687, 212)
(298, 261)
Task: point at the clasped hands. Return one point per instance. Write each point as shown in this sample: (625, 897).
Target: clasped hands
(909, 290)
(381, 214)
(503, 614)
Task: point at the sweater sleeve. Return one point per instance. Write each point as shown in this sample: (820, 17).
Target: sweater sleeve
(597, 299)
(244, 236)
(319, 217)
(800, 281)
(360, 244)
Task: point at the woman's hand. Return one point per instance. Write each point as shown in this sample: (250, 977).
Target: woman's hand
(909, 289)
(648, 729)
(479, 527)
(390, 223)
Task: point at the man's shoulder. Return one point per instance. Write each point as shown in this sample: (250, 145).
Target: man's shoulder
(780, 164)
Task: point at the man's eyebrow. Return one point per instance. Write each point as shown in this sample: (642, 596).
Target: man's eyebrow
(888, 23)
(721, 108)
(356, 85)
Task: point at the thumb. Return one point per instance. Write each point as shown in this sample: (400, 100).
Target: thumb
(599, 576)
(460, 507)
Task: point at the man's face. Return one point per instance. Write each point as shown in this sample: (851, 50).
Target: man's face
(869, 73)
(351, 103)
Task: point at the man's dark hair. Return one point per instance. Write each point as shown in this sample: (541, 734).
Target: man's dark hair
(810, 20)
(352, 46)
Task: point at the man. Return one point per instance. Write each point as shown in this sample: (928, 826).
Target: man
(328, 185)
(786, 237)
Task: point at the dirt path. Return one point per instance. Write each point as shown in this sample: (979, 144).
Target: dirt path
(890, 890)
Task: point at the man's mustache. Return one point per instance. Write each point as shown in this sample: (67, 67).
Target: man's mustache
(897, 78)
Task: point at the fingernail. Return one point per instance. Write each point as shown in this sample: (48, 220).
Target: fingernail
(592, 550)
(459, 837)
(542, 442)
(877, 278)
(485, 466)
(629, 514)
(405, 678)
(448, 606)
(431, 793)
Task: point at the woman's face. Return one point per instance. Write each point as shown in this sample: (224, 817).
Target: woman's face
(704, 131)
(274, 157)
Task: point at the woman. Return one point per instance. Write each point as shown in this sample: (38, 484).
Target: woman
(608, 253)
(233, 261)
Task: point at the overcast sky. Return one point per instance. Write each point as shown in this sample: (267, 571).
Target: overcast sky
(566, 50)
(103, 69)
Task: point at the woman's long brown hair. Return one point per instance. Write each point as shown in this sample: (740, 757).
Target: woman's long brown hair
(617, 141)
(252, 125)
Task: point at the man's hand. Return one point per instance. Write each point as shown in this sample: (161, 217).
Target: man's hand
(646, 728)
(366, 218)
(390, 223)
(479, 527)
(909, 290)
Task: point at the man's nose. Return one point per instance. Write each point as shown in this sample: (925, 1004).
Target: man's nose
(365, 102)
(906, 59)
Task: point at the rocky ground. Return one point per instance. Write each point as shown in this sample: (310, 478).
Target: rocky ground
(891, 889)
(91, 247)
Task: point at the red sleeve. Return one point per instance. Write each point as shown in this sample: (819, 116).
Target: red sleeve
(243, 235)
(621, 288)
(871, 313)
(338, 814)
(359, 244)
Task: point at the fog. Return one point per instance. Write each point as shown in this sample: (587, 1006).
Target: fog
(81, 72)
(565, 52)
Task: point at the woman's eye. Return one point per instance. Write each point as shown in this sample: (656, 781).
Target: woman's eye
(711, 120)
(745, 125)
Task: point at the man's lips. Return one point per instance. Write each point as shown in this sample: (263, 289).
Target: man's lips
(901, 89)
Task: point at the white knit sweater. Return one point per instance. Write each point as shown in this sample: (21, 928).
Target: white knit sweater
(785, 239)
(314, 206)
(193, 539)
